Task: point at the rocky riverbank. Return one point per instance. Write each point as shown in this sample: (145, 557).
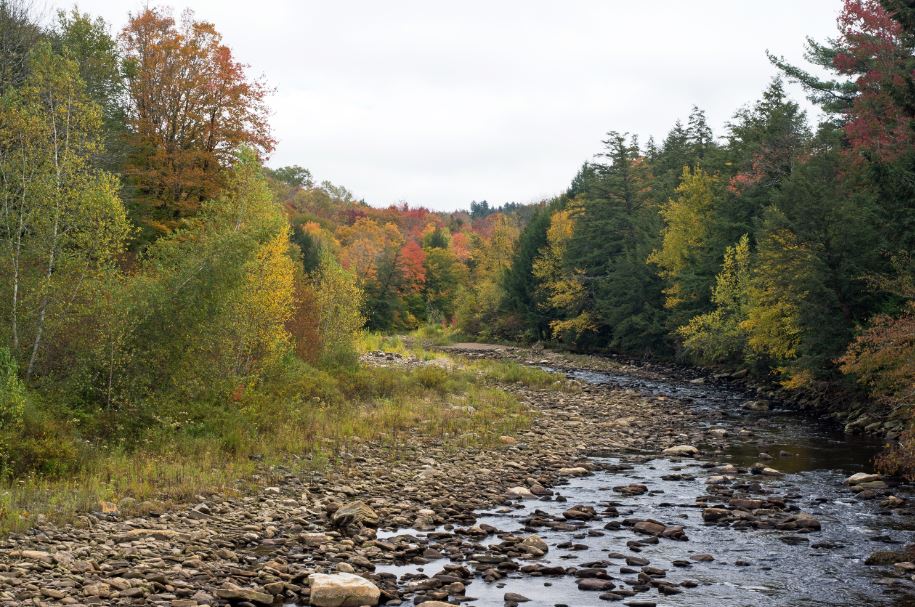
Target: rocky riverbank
(418, 506)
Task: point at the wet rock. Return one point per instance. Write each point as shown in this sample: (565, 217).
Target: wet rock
(591, 584)
(755, 405)
(702, 558)
(650, 527)
(800, 521)
(514, 597)
(580, 513)
(892, 501)
(714, 515)
(891, 557)
(633, 489)
(342, 590)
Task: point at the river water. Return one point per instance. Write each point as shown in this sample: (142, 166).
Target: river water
(751, 568)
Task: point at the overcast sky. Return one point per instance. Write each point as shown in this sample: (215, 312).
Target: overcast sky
(440, 103)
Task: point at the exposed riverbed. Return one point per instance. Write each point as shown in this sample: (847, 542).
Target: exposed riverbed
(751, 567)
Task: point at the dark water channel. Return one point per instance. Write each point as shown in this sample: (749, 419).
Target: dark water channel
(776, 567)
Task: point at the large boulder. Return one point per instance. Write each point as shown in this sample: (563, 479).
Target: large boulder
(355, 514)
(342, 590)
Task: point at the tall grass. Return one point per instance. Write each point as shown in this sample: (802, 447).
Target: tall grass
(299, 417)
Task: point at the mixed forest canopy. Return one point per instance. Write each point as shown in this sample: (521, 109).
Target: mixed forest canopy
(154, 273)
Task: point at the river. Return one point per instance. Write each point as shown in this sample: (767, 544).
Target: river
(751, 567)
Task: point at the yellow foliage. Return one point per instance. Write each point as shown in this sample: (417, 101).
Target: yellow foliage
(685, 231)
(265, 304)
(563, 287)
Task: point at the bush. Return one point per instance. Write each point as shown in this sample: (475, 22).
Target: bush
(12, 392)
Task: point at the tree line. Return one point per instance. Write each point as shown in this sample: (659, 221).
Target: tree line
(156, 275)
(778, 249)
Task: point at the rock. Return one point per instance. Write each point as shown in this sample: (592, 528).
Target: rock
(314, 539)
(755, 405)
(356, 513)
(520, 493)
(702, 558)
(231, 592)
(713, 515)
(514, 597)
(892, 501)
(806, 521)
(580, 513)
(535, 545)
(591, 584)
(36, 555)
(575, 471)
(100, 590)
(156, 534)
(681, 451)
(871, 485)
(861, 477)
(891, 557)
(633, 489)
(744, 503)
(342, 590)
(649, 527)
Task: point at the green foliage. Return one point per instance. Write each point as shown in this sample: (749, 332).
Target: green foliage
(616, 227)
(718, 336)
(12, 392)
(689, 255)
(339, 302)
(521, 309)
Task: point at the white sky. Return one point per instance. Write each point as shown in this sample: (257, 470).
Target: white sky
(438, 104)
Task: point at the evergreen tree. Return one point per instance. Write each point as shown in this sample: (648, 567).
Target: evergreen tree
(616, 228)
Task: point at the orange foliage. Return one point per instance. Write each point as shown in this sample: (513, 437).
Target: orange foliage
(191, 106)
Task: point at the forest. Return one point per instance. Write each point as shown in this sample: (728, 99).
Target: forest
(164, 291)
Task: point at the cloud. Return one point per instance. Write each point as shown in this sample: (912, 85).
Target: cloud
(440, 103)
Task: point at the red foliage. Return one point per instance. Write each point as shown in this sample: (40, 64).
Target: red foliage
(412, 266)
(875, 57)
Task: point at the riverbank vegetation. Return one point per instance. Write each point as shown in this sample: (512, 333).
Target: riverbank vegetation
(173, 310)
